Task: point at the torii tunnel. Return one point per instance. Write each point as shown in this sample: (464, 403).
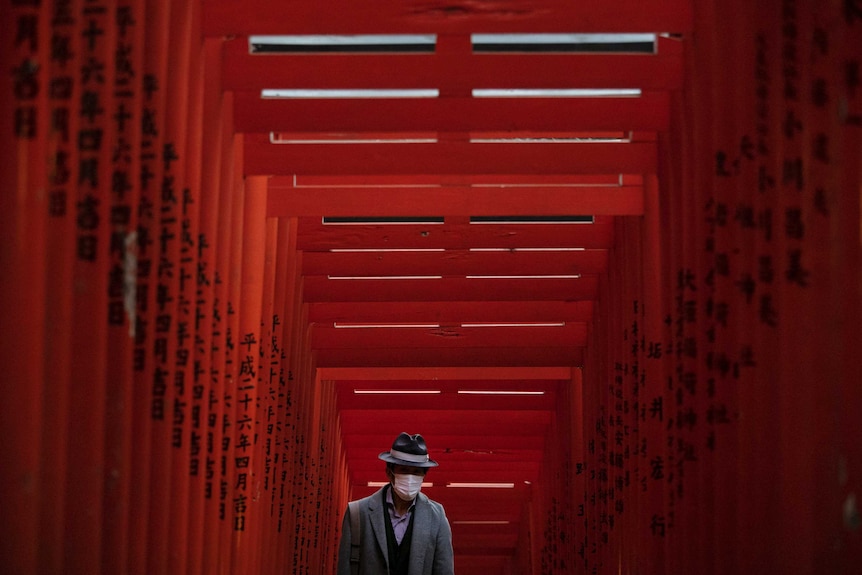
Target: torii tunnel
(603, 256)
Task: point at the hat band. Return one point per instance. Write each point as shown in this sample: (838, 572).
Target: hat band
(408, 456)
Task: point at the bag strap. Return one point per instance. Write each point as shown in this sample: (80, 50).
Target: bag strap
(353, 507)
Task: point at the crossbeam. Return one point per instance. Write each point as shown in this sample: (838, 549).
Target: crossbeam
(649, 112)
(230, 18)
(243, 71)
(459, 200)
(264, 158)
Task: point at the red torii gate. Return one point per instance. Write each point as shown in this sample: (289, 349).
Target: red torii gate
(190, 348)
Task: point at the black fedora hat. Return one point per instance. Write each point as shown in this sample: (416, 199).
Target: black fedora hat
(408, 450)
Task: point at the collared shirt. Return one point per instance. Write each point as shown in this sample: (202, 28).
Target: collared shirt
(399, 522)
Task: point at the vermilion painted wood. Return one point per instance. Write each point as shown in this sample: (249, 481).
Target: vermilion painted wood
(847, 285)
(222, 199)
(361, 446)
(650, 504)
(247, 508)
(84, 539)
(23, 215)
(819, 229)
(574, 334)
(447, 424)
(201, 548)
(457, 402)
(183, 119)
(454, 114)
(728, 120)
(687, 501)
(155, 554)
(59, 257)
(506, 180)
(321, 289)
(384, 373)
(246, 72)
(285, 243)
(305, 450)
(450, 312)
(232, 275)
(294, 330)
(121, 440)
(409, 357)
(759, 438)
(314, 417)
(315, 236)
(224, 18)
(265, 418)
(264, 158)
(482, 437)
(577, 486)
(476, 563)
(191, 259)
(143, 488)
(807, 415)
(329, 441)
(454, 263)
(466, 201)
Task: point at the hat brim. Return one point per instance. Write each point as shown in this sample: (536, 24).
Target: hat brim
(388, 458)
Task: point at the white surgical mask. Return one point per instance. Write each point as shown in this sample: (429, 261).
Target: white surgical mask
(407, 486)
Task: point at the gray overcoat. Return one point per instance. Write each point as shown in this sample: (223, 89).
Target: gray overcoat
(431, 549)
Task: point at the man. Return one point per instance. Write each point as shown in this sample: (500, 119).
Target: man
(402, 532)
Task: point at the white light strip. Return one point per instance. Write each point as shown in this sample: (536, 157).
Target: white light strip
(381, 250)
(548, 140)
(275, 140)
(516, 324)
(481, 522)
(382, 483)
(385, 222)
(490, 392)
(336, 40)
(530, 277)
(483, 485)
(338, 325)
(561, 38)
(349, 93)
(550, 249)
(397, 392)
(556, 93)
(384, 277)
(528, 249)
(547, 222)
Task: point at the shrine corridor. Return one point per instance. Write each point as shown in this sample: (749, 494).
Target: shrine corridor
(604, 256)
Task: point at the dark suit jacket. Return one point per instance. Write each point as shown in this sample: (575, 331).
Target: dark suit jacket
(431, 549)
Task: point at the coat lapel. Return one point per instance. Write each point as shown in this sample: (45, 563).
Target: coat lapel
(421, 535)
(376, 514)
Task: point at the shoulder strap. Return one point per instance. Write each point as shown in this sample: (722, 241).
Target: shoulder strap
(353, 507)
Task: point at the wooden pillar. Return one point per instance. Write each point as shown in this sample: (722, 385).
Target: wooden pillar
(244, 504)
(288, 302)
(178, 204)
(24, 134)
(269, 364)
(652, 400)
(63, 154)
(91, 202)
(202, 502)
(125, 197)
